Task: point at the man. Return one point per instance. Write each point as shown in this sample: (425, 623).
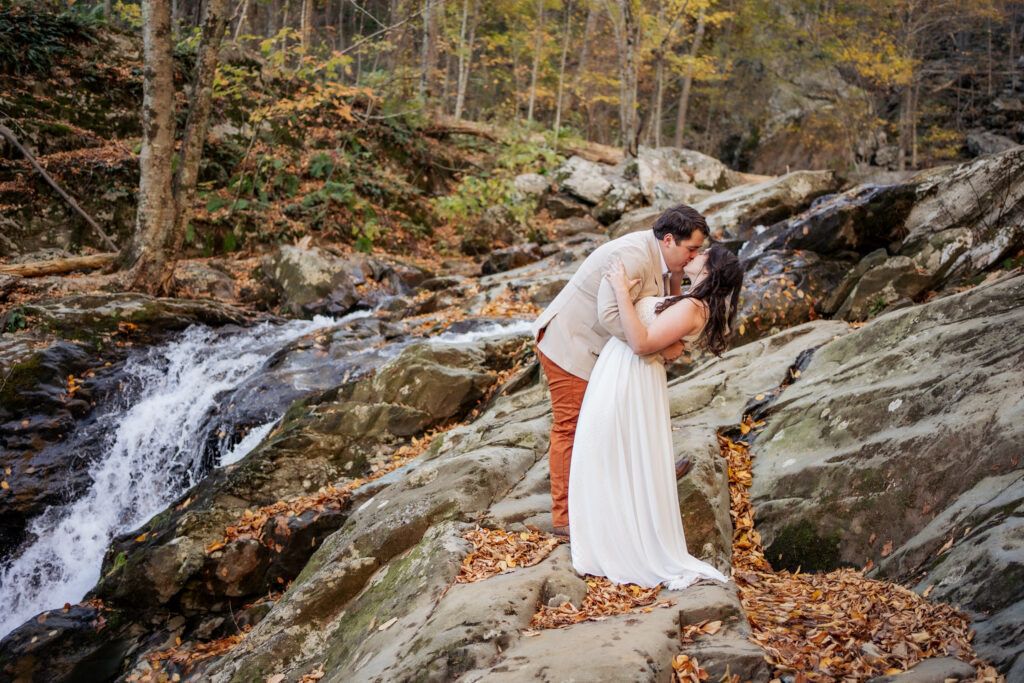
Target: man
(573, 329)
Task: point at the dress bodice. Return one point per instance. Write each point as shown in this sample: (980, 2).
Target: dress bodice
(645, 311)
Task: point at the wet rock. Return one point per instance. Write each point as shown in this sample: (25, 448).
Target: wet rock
(780, 289)
(560, 205)
(622, 197)
(38, 413)
(82, 643)
(968, 217)
(310, 281)
(883, 285)
(862, 219)
(582, 179)
(501, 260)
(736, 211)
(532, 184)
(323, 438)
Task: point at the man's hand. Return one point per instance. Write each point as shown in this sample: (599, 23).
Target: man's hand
(670, 353)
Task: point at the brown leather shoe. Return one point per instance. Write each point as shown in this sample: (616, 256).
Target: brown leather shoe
(561, 532)
(682, 467)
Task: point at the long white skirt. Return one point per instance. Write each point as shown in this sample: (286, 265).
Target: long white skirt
(624, 517)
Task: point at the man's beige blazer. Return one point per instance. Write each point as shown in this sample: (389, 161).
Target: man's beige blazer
(584, 315)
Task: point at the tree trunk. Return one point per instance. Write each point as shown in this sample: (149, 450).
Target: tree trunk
(428, 53)
(241, 19)
(659, 97)
(200, 101)
(466, 45)
(904, 142)
(306, 24)
(684, 96)
(561, 71)
(913, 125)
(625, 39)
(461, 49)
(145, 256)
(536, 59)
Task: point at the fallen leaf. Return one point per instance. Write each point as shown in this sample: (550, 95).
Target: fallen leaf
(388, 624)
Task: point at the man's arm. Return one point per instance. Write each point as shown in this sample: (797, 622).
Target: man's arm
(607, 307)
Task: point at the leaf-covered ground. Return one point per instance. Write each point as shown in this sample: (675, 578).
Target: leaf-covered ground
(839, 626)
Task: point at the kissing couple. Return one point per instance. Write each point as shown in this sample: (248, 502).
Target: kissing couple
(603, 343)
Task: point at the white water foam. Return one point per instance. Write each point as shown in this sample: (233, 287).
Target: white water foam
(245, 446)
(512, 328)
(152, 454)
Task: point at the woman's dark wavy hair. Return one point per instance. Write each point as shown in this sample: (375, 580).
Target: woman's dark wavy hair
(720, 293)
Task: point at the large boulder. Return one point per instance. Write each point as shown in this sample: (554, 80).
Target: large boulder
(635, 221)
(310, 281)
(582, 179)
(862, 219)
(967, 218)
(908, 418)
(735, 212)
(670, 173)
(622, 197)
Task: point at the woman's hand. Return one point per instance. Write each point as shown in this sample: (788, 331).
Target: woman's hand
(618, 278)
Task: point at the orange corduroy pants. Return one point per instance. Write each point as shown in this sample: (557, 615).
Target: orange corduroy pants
(566, 398)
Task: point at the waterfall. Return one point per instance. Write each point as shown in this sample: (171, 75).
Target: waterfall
(152, 445)
(151, 453)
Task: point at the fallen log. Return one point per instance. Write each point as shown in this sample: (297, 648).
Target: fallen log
(56, 266)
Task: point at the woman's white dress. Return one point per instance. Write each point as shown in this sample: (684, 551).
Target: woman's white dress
(624, 518)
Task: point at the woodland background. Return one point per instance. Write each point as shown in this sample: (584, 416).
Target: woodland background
(336, 118)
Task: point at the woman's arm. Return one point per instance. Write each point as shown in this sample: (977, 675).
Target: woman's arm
(669, 327)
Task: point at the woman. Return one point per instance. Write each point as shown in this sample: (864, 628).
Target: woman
(624, 518)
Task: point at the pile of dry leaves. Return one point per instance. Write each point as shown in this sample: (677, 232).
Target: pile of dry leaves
(837, 626)
(495, 551)
(252, 523)
(603, 599)
(166, 664)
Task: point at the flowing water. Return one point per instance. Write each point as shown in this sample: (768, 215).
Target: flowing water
(152, 452)
(153, 449)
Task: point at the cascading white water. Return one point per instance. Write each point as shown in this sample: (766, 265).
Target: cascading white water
(153, 452)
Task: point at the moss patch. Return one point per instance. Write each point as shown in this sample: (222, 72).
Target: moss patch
(800, 545)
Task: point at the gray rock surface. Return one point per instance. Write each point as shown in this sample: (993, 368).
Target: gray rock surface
(967, 217)
(893, 445)
(310, 281)
(736, 211)
(896, 280)
(672, 173)
(583, 179)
